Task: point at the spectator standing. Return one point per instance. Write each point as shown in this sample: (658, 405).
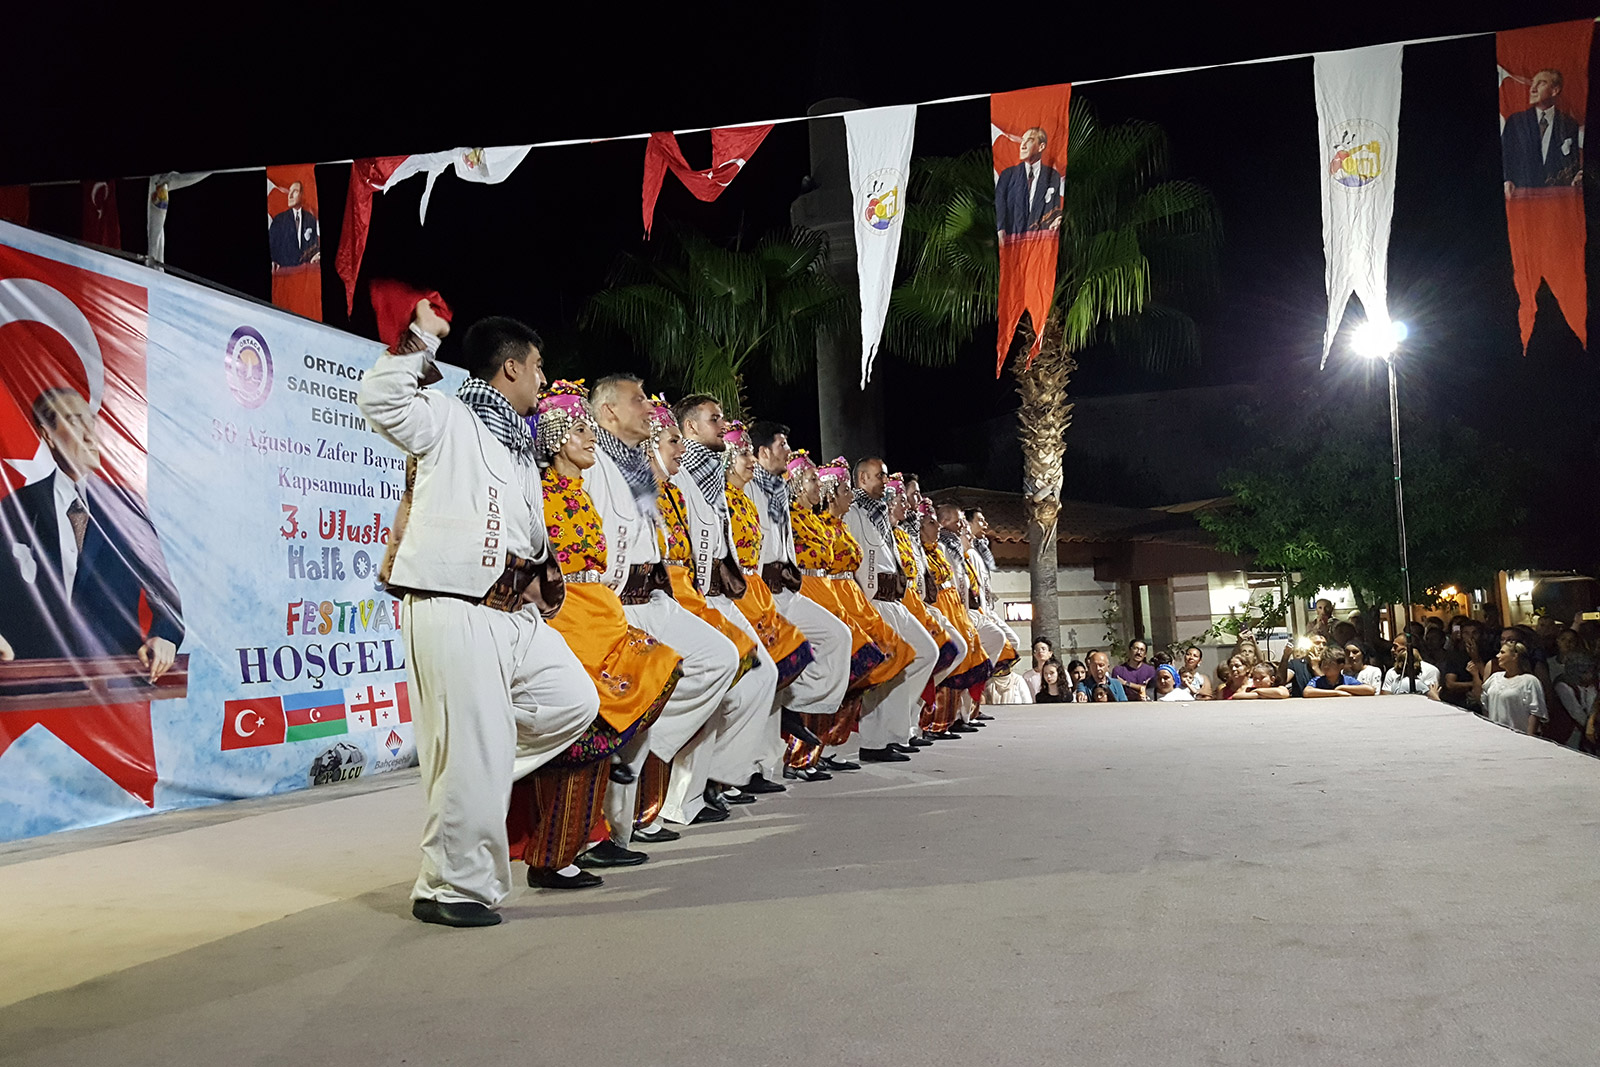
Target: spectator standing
(1410, 673)
(1043, 651)
(1100, 675)
(1572, 717)
(1357, 662)
(1135, 674)
(1513, 696)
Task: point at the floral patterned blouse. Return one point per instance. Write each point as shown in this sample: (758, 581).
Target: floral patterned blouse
(746, 528)
(942, 574)
(576, 536)
(908, 552)
(846, 550)
(813, 541)
(673, 531)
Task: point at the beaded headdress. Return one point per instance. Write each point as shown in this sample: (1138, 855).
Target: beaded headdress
(737, 438)
(562, 406)
(800, 461)
(661, 419)
(834, 476)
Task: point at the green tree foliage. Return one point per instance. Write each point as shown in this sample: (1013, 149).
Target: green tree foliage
(701, 312)
(1318, 499)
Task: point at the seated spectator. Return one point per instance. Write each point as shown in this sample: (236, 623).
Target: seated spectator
(1100, 675)
(1334, 681)
(1134, 673)
(1572, 716)
(1102, 694)
(1264, 683)
(1053, 688)
(1513, 696)
(1076, 673)
(1236, 679)
(1194, 679)
(1042, 651)
(1410, 673)
(1357, 662)
(1168, 686)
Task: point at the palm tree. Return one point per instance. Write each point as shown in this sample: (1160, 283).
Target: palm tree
(1128, 235)
(701, 312)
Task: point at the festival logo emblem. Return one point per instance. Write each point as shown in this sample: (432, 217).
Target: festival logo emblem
(394, 743)
(249, 366)
(879, 200)
(1356, 153)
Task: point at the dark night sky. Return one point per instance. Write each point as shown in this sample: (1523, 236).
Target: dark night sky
(216, 95)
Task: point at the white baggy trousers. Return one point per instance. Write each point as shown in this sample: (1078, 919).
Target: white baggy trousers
(496, 696)
(710, 662)
(889, 713)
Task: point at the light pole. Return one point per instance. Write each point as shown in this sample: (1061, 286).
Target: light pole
(1380, 339)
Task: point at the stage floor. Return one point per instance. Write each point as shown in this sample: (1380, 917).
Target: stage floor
(1368, 881)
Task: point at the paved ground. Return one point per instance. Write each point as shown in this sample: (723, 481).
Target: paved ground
(1379, 881)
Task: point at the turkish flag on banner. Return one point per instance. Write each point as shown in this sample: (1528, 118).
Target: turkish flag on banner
(1028, 132)
(294, 239)
(252, 723)
(731, 149)
(1544, 91)
(101, 224)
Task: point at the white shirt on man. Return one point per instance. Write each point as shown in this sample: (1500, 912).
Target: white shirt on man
(1395, 682)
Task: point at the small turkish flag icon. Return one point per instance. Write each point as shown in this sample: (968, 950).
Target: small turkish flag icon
(252, 723)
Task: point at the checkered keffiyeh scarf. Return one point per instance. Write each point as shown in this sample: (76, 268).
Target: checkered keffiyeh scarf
(633, 463)
(496, 412)
(982, 545)
(875, 511)
(705, 467)
(777, 497)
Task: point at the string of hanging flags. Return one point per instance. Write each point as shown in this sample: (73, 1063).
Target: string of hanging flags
(1543, 91)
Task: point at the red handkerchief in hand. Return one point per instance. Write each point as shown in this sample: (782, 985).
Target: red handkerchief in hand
(394, 302)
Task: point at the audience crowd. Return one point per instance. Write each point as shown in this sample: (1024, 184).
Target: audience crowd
(1539, 679)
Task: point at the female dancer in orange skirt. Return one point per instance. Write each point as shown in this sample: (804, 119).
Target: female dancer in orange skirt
(814, 554)
(553, 810)
(915, 599)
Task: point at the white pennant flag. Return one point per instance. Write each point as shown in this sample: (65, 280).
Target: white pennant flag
(880, 164)
(487, 165)
(155, 218)
(1358, 124)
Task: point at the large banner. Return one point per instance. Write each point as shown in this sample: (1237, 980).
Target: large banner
(1028, 132)
(1358, 124)
(294, 239)
(880, 165)
(192, 513)
(1544, 92)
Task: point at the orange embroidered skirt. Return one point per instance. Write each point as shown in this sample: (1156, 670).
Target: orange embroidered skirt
(781, 636)
(898, 654)
(952, 608)
(631, 670)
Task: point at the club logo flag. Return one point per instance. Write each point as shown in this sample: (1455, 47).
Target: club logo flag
(880, 165)
(158, 200)
(1028, 132)
(294, 239)
(487, 166)
(1544, 90)
(1358, 122)
(731, 149)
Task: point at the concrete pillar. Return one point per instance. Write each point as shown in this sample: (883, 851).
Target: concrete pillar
(851, 419)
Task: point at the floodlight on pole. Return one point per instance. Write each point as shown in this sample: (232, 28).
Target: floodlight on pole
(1381, 339)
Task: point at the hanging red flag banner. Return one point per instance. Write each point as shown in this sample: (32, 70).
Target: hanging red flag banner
(731, 149)
(1028, 130)
(101, 224)
(366, 177)
(14, 203)
(1544, 89)
(295, 239)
